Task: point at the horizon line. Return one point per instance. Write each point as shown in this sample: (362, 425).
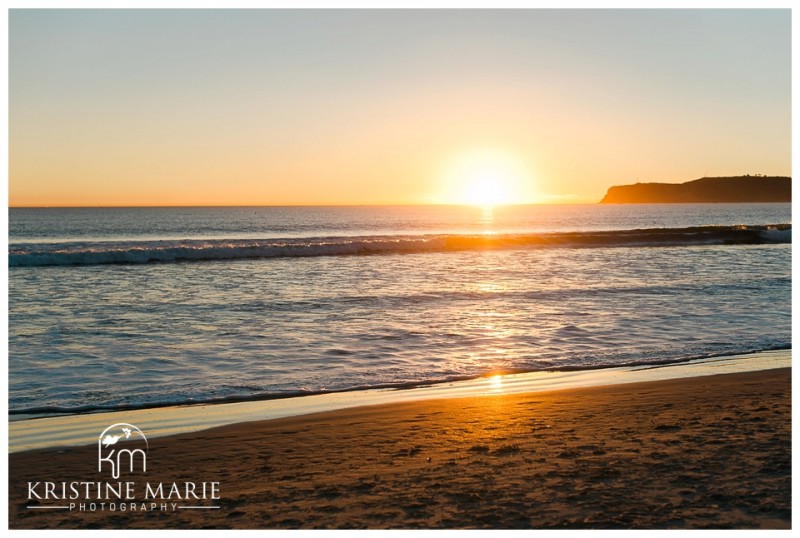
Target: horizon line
(287, 205)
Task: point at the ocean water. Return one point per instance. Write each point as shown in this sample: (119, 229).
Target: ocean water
(134, 307)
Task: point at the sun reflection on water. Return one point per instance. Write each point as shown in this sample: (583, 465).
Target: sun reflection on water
(496, 383)
(487, 217)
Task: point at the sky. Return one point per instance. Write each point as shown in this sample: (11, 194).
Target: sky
(338, 107)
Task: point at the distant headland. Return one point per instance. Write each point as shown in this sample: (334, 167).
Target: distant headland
(737, 189)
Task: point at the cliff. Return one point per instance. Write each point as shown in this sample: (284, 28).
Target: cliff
(739, 189)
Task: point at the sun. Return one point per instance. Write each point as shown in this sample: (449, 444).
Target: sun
(486, 178)
(487, 189)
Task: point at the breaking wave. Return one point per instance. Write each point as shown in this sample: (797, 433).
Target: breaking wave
(141, 252)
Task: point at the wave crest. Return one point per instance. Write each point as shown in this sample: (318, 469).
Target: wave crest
(141, 252)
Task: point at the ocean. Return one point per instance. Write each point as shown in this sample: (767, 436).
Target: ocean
(118, 308)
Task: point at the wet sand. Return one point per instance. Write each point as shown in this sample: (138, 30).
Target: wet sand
(700, 452)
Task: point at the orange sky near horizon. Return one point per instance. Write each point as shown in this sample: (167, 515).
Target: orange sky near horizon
(281, 107)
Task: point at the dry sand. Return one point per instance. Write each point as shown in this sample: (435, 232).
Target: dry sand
(698, 452)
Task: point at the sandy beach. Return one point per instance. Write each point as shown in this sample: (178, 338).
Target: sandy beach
(702, 452)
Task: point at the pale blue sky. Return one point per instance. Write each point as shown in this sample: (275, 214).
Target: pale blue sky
(310, 106)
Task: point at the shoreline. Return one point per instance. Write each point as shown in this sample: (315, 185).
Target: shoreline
(710, 451)
(78, 429)
(521, 374)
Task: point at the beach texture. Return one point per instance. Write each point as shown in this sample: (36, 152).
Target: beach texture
(702, 452)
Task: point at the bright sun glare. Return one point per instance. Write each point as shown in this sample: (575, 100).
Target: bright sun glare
(487, 178)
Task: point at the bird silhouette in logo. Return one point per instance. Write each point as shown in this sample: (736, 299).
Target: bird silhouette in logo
(110, 440)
